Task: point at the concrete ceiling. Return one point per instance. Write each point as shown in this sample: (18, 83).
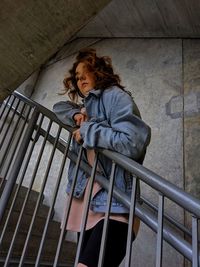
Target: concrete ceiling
(32, 31)
(146, 18)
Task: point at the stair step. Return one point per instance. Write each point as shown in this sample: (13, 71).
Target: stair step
(49, 251)
(38, 226)
(31, 203)
(14, 262)
(68, 249)
(30, 206)
(23, 190)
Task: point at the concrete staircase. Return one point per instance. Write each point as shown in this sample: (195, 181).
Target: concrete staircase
(49, 251)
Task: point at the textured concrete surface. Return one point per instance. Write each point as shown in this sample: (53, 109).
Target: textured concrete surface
(32, 31)
(141, 18)
(152, 71)
(192, 119)
(163, 76)
(28, 86)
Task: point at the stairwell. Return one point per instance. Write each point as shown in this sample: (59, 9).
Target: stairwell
(38, 232)
(68, 250)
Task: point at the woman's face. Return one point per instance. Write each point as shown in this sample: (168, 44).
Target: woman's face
(85, 79)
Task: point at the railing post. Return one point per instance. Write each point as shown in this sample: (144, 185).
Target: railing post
(17, 164)
(159, 247)
(131, 222)
(195, 243)
(107, 214)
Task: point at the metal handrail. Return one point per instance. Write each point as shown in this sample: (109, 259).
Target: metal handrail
(168, 218)
(164, 187)
(173, 192)
(144, 213)
(178, 195)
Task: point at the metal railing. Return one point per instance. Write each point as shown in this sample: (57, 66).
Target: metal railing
(36, 127)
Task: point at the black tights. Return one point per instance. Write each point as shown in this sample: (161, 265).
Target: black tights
(115, 245)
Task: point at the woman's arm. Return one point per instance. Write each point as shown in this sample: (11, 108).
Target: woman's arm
(125, 133)
(65, 111)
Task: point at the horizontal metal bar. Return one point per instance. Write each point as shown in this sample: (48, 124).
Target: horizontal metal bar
(169, 234)
(169, 190)
(173, 192)
(48, 113)
(167, 218)
(146, 215)
(157, 182)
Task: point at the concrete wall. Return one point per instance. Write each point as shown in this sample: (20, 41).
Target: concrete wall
(163, 76)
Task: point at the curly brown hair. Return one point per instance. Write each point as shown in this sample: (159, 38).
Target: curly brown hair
(101, 68)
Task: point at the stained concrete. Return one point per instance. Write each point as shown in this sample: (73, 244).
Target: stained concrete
(192, 120)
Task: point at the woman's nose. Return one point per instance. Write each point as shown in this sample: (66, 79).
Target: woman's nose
(82, 77)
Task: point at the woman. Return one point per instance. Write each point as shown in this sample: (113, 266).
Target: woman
(108, 119)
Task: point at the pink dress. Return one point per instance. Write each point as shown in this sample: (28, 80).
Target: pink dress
(77, 209)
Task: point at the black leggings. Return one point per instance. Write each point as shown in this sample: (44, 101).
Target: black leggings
(115, 245)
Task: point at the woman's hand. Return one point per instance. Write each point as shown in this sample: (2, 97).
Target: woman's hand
(77, 136)
(79, 118)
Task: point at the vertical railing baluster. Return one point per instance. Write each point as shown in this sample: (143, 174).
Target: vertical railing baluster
(9, 124)
(27, 196)
(192, 252)
(63, 230)
(20, 182)
(195, 243)
(12, 135)
(17, 164)
(159, 246)
(5, 105)
(37, 263)
(21, 263)
(8, 112)
(106, 220)
(16, 145)
(131, 223)
(86, 209)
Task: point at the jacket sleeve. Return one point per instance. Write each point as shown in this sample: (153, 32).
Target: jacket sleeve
(122, 131)
(65, 111)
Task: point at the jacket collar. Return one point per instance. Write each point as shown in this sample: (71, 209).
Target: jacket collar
(96, 92)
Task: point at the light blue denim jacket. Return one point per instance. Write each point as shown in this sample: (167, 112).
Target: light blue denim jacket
(114, 123)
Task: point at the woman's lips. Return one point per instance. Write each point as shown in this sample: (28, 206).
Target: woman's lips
(84, 84)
